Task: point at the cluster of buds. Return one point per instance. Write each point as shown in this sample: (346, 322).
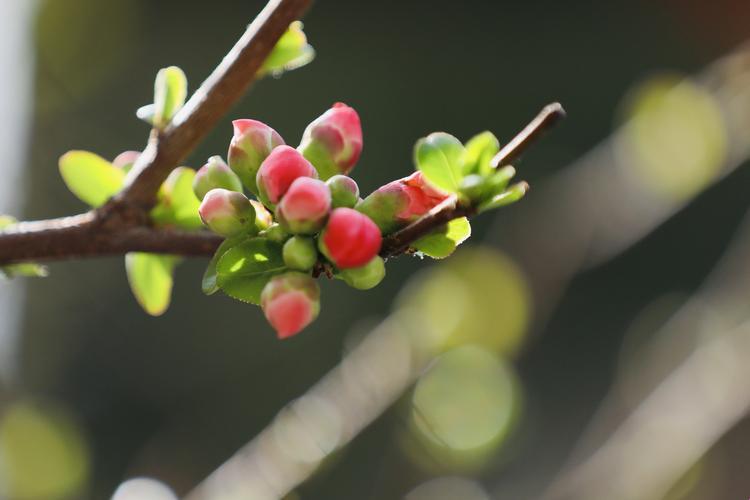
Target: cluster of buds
(309, 216)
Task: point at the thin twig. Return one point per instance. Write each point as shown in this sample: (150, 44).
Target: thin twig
(547, 117)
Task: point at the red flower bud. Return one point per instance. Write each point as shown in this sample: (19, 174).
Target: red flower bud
(290, 301)
(227, 213)
(350, 239)
(215, 174)
(278, 171)
(400, 202)
(252, 142)
(333, 141)
(305, 206)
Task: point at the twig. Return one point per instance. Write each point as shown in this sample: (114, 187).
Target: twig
(123, 224)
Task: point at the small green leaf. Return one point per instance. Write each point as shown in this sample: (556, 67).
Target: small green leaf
(439, 156)
(170, 92)
(24, 269)
(177, 203)
(480, 150)
(90, 177)
(6, 221)
(442, 243)
(150, 278)
(146, 113)
(510, 195)
(244, 270)
(291, 52)
(209, 285)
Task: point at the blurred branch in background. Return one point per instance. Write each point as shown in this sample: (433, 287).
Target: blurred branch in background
(675, 398)
(682, 137)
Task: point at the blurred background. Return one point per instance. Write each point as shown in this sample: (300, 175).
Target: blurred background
(588, 342)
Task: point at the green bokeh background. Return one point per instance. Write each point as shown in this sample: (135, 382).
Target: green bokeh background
(174, 396)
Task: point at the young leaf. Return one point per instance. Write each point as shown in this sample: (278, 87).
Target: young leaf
(291, 51)
(208, 284)
(6, 221)
(442, 243)
(439, 156)
(177, 203)
(170, 91)
(510, 195)
(480, 150)
(150, 278)
(244, 270)
(24, 269)
(90, 177)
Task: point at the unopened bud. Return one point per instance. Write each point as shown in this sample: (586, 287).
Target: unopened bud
(290, 301)
(344, 191)
(126, 159)
(227, 213)
(305, 206)
(215, 174)
(252, 142)
(350, 239)
(263, 218)
(333, 141)
(277, 172)
(367, 276)
(300, 253)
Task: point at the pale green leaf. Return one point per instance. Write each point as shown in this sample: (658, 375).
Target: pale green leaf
(244, 270)
(170, 92)
(442, 243)
(24, 269)
(150, 278)
(6, 221)
(291, 52)
(177, 204)
(510, 195)
(90, 177)
(209, 284)
(480, 150)
(439, 156)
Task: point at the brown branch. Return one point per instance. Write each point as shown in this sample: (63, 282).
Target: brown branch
(122, 224)
(452, 208)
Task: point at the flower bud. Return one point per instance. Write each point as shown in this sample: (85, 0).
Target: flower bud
(126, 159)
(290, 301)
(350, 239)
(227, 213)
(305, 206)
(344, 191)
(252, 142)
(367, 276)
(263, 218)
(333, 141)
(276, 233)
(401, 202)
(300, 253)
(278, 171)
(215, 174)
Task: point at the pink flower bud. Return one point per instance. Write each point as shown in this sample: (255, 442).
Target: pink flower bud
(215, 174)
(252, 142)
(344, 191)
(305, 206)
(400, 202)
(333, 141)
(350, 239)
(278, 171)
(290, 301)
(227, 213)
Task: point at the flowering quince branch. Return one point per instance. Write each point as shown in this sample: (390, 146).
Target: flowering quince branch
(305, 217)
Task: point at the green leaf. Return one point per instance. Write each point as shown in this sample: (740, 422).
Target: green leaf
(439, 156)
(510, 195)
(244, 270)
(209, 284)
(150, 278)
(90, 177)
(170, 91)
(442, 243)
(177, 203)
(24, 269)
(291, 51)
(6, 221)
(480, 150)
